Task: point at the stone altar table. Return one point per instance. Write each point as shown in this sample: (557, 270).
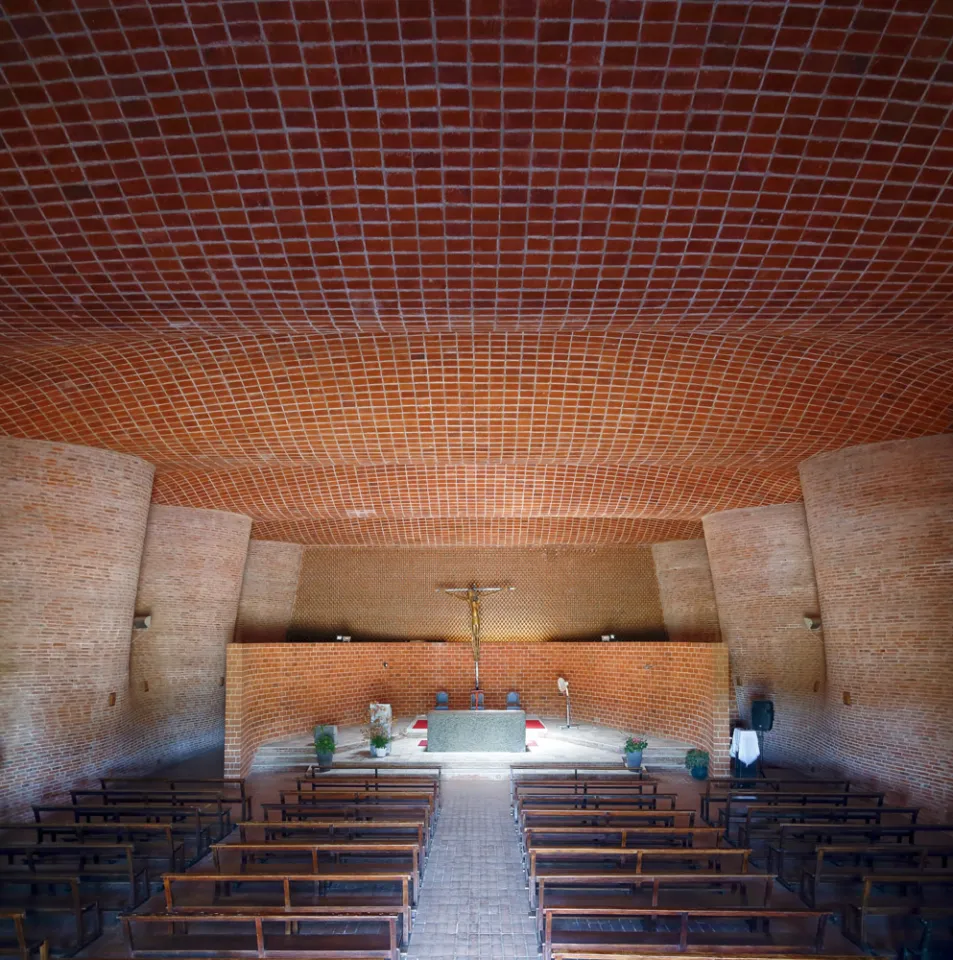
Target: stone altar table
(485, 731)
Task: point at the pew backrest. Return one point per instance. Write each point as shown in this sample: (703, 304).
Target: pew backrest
(606, 815)
(258, 919)
(272, 830)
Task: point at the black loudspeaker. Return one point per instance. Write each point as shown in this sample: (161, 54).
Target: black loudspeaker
(762, 714)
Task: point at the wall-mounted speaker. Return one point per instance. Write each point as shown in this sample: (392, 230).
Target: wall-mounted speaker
(762, 715)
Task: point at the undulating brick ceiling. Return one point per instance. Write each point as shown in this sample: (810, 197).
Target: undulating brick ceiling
(476, 273)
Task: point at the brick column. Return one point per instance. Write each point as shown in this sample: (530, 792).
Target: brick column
(72, 522)
(881, 522)
(268, 593)
(190, 583)
(764, 587)
(686, 590)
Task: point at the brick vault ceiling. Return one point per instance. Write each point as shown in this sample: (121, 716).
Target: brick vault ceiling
(381, 273)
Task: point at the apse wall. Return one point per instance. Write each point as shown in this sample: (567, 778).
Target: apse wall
(561, 593)
(190, 582)
(881, 527)
(269, 585)
(673, 690)
(72, 523)
(686, 591)
(764, 585)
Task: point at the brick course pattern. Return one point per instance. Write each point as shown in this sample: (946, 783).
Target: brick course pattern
(190, 583)
(686, 591)
(462, 440)
(269, 584)
(561, 593)
(764, 584)
(781, 166)
(881, 524)
(673, 690)
(72, 524)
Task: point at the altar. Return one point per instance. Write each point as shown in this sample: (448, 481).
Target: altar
(484, 731)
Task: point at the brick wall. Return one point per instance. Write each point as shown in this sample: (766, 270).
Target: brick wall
(674, 690)
(881, 524)
(561, 593)
(764, 584)
(686, 590)
(190, 582)
(268, 592)
(72, 523)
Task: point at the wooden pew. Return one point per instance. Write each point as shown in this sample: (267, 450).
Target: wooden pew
(304, 798)
(571, 890)
(736, 804)
(223, 785)
(728, 953)
(620, 836)
(867, 860)
(359, 812)
(14, 941)
(193, 822)
(593, 943)
(584, 785)
(573, 770)
(170, 798)
(91, 862)
(631, 860)
(718, 788)
(761, 820)
(606, 817)
(37, 896)
(797, 841)
(151, 840)
(272, 831)
(373, 902)
(383, 853)
(368, 783)
(381, 944)
(372, 769)
(596, 801)
(858, 913)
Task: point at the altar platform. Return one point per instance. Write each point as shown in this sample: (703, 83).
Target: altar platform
(545, 740)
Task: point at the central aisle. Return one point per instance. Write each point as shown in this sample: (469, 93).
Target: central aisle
(473, 904)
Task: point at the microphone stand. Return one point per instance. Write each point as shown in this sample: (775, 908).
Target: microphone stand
(568, 715)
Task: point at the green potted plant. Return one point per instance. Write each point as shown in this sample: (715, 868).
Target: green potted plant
(324, 747)
(696, 762)
(379, 738)
(633, 752)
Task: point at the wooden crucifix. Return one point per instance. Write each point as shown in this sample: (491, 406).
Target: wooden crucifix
(472, 595)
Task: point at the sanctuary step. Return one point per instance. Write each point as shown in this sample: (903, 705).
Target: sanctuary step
(585, 743)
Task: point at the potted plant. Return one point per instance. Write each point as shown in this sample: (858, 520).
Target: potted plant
(324, 748)
(696, 762)
(379, 738)
(633, 752)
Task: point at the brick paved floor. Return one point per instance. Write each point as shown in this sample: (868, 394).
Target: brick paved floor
(474, 905)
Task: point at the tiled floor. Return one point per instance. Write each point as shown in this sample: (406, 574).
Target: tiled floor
(474, 903)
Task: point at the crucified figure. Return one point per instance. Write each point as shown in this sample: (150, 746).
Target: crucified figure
(472, 595)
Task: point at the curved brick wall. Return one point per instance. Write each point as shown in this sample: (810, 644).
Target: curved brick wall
(269, 585)
(190, 583)
(72, 522)
(764, 585)
(686, 590)
(881, 523)
(675, 690)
